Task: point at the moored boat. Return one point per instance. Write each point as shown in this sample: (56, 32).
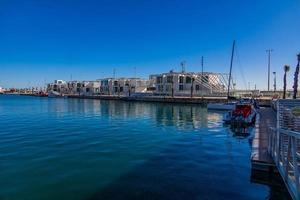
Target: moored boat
(242, 116)
(54, 94)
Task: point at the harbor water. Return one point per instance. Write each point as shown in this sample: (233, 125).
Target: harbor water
(56, 148)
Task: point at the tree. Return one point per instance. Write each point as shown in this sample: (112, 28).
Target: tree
(296, 78)
(286, 68)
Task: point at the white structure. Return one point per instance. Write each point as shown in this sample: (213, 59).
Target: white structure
(284, 144)
(123, 86)
(59, 86)
(90, 88)
(75, 87)
(1, 90)
(190, 83)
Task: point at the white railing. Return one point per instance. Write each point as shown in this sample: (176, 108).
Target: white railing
(284, 145)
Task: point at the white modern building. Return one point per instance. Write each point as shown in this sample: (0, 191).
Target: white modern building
(91, 88)
(190, 83)
(59, 86)
(86, 88)
(123, 86)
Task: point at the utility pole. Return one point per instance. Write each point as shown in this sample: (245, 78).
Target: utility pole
(274, 73)
(202, 60)
(269, 66)
(183, 66)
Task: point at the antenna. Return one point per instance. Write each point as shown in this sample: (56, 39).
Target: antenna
(114, 73)
(269, 65)
(202, 63)
(183, 66)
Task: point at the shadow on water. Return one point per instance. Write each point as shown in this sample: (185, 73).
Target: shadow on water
(273, 181)
(181, 172)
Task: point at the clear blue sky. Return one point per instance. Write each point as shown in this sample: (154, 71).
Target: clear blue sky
(45, 40)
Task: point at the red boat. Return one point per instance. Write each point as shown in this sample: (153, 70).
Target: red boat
(242, 116)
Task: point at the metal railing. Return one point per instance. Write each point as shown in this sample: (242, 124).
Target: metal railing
(284, 145)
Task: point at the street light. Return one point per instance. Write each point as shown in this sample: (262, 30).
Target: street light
(274, 73)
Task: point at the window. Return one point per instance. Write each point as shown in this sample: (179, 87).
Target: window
(169, 79)
(197, 87)
(205, 79)
(121, 89)
(159, 79)
(160, 88)
(188, 79)
(181, 79)
(180, 87)
(168, 88)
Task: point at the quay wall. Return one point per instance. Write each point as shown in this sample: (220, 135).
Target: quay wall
(161, 99)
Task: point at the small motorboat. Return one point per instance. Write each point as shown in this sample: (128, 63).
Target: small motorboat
(221, 106)
(242, 116)
(54, 94)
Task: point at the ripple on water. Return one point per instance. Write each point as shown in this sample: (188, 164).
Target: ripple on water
(89, 149)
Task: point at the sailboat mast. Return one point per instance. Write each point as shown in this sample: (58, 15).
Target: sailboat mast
(231, 61)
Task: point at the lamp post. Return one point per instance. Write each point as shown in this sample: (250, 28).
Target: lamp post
(274, 73)
(269, 66)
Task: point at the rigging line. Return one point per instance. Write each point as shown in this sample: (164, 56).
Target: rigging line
(241, 68)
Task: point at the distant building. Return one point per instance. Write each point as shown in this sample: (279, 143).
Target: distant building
(123, 86)
(59, 86)
(91, 88)
(185, 83)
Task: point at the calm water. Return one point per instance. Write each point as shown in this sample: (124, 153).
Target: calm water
(91, 149)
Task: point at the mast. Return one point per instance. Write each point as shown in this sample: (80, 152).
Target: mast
(231, 61)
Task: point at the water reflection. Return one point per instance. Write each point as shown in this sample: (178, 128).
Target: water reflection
(180, 116)
(90, 149)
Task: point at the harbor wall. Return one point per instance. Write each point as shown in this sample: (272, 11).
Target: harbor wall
(162, 99)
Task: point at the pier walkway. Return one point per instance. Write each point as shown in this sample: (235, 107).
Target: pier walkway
(260, 158)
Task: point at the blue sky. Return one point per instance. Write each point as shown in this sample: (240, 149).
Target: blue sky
(45, 40)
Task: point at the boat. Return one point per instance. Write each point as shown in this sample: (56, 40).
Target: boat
(228, 105)
(54, 94)
(242, 116)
